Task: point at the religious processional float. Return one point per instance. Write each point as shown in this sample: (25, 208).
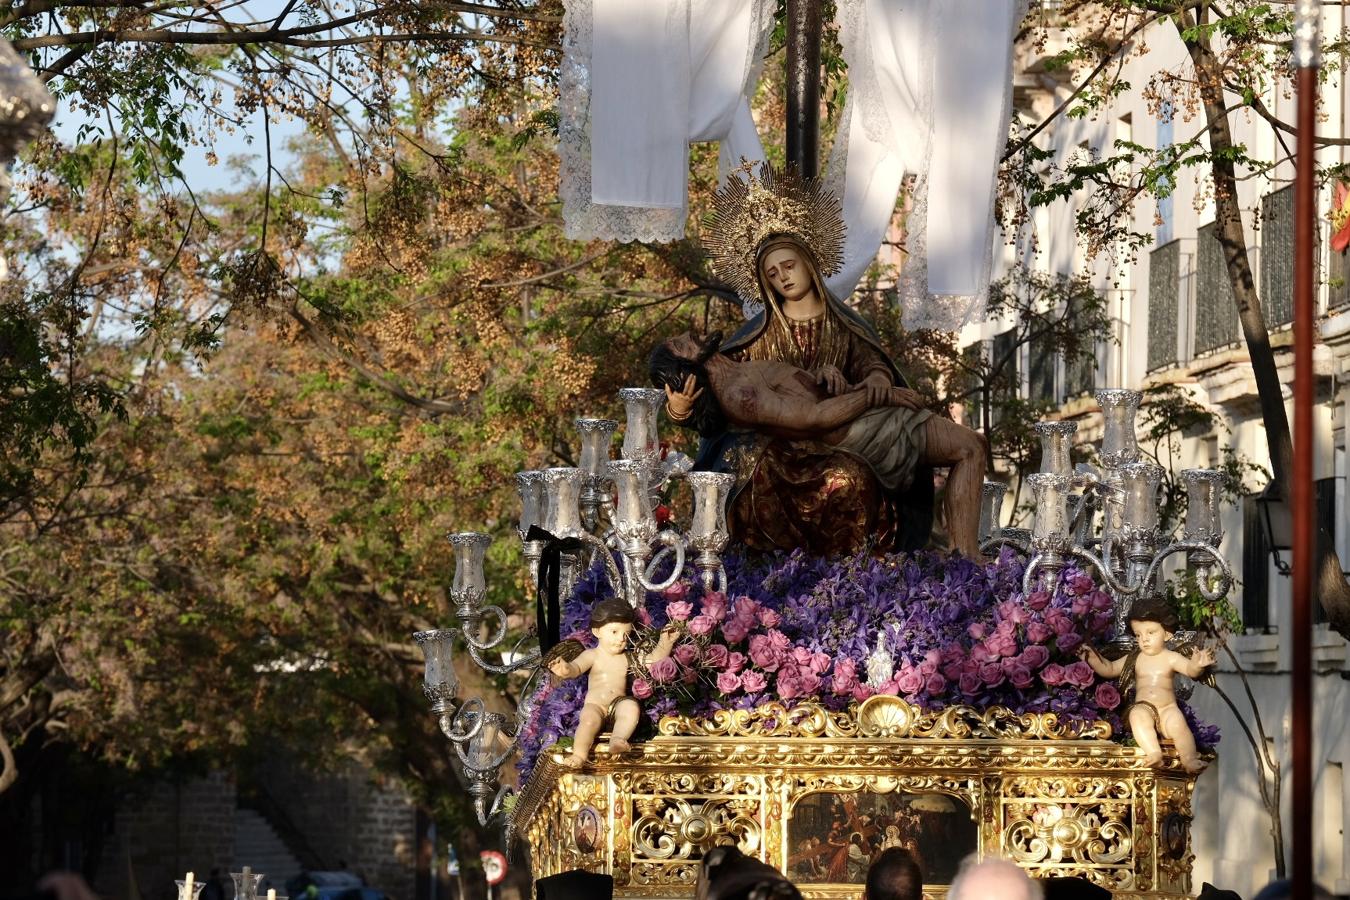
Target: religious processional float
(816, 706)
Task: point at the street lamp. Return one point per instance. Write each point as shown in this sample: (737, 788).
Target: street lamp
(26, 106)
(1276, 523)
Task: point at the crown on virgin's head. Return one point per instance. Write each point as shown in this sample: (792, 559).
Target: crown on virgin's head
(751, 208)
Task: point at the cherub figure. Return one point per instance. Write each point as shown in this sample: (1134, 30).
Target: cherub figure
(607, 700)
(1151, 671)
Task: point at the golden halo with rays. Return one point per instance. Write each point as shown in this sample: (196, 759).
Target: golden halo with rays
(750, 208)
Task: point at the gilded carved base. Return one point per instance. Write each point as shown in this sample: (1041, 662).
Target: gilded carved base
(1057, 800)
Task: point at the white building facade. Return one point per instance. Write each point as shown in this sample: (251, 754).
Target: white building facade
(1175, 322)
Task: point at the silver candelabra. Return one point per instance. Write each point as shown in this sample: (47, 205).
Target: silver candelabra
(599, 510)
(1129, 548)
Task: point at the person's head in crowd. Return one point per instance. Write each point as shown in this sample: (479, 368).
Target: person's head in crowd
(992, 878)
(894, 875)
(1210, 892)
(1077, 888)
(575, 885)
(728, 874)
(1284, 890)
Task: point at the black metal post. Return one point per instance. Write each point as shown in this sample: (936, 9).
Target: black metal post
(803, 86)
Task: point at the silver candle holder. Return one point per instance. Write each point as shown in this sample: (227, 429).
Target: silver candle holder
(596, 436)
(1056, 443)
(641, 439)
(530, 487)
(708, 530)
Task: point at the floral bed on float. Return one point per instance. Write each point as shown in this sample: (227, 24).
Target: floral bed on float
(794, 628)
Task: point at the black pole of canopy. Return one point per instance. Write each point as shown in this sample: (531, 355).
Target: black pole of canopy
(803, 86)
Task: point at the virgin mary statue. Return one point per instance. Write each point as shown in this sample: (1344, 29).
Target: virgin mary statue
(774, 238)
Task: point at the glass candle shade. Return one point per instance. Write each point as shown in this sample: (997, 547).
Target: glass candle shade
(483, 745)
(1056, 439)
(189, 889)
(562, 498)
(439, 681)
(709, 521)
(1204, 489)
(991, 508)
(530, 486)
(1119, 407)
(1140, 481)
(640, 438)
(1051, 493)
(633, 514)
(246, 883)
(470, 548)
(596, 436)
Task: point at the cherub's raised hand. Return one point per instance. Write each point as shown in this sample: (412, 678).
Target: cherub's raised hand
(1205, 657)
(679, 404)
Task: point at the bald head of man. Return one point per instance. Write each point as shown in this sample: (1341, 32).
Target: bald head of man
(992, 879)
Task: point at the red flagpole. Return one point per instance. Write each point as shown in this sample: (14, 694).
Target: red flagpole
(1306, 23)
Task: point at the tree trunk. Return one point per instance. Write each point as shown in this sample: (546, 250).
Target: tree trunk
(1333, 590)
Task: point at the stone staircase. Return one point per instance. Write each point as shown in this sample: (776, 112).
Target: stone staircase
(257, 846)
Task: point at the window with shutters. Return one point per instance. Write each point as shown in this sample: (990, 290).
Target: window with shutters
(1255, 568)
(1277, 257)
(1164, 299)
(1216, 323)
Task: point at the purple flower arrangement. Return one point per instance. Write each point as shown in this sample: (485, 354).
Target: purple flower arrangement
(792, 628)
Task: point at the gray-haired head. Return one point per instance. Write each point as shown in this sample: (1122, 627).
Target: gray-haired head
(992, 878)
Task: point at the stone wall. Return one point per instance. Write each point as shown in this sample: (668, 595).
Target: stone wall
(348, 817)
(164, 829)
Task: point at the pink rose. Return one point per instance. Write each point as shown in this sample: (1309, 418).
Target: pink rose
(1067, 643)
(679, 610)
(1102, 602)
(810, 681)
(643, 616)
(951, 671)
(991, 674)
(980, 653)
(701, 625)
(862, 692)
(1035, 656)
(642, 688)
(717, 656)
(715, 606)
(845, 677)
(1081, 605)
(1039, 632)
(801, 656)
(728, 682)
(789, 685)
(952, 654)
(1106, 695)
(1012, 611)
(753, 682)
(820, 663)
(935, 684)
(977, 630)
(970, 684)
(763, 654)
(1002, 645)
(779, 641)
(1079, 674)
(1080, 584)
(688, 676)
(735, 662)
(930, 662)
(664, 670)
(769, 619)
(746, 609)
(909, 681)
(1020, 676)
(1053, 675)
(1060, 623)
(685, 654)
(734, 630)
(1038, 600)
(677, 591)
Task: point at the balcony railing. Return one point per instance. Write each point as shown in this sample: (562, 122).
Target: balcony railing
(1216, 323)
(1164, 304)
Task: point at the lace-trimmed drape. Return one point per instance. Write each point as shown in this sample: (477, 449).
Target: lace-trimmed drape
(650, 77)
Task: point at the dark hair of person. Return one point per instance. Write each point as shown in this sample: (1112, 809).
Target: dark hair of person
(728, 874)
(611, 610)
(894, 875)
(1154, 609)
(669, 370)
